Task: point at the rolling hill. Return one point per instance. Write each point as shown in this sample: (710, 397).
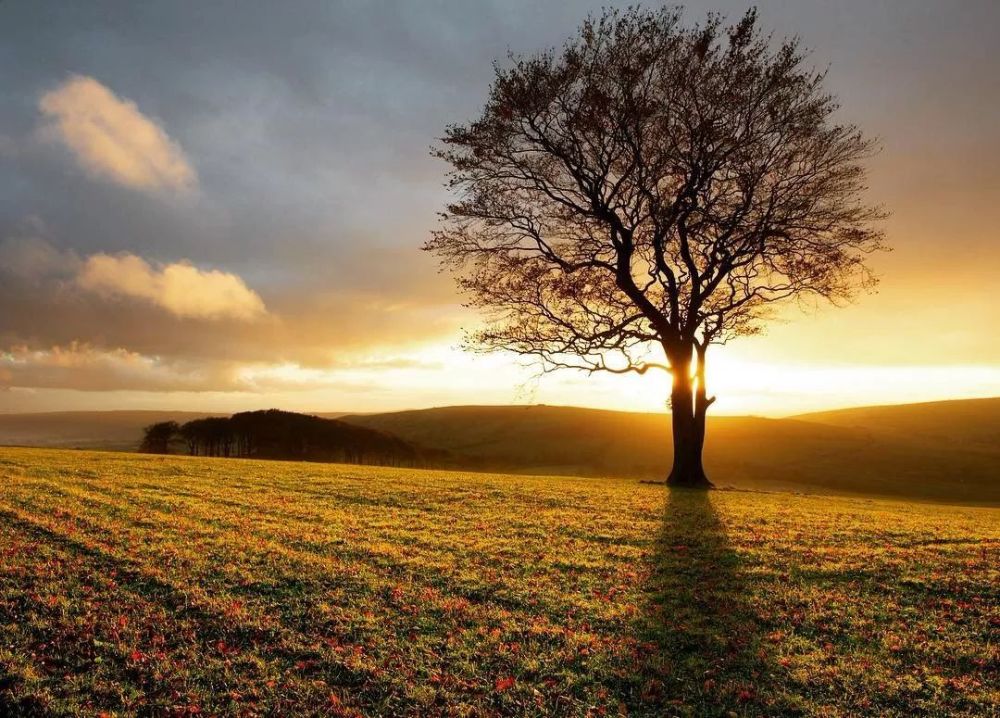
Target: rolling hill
(121, 430)
(944, 451)
(972, 423)
(882, 451)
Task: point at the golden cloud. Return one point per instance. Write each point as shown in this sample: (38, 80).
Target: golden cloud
(112, 139)
(181, 288)
(83, 367)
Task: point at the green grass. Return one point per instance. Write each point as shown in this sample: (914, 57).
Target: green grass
(134, 585)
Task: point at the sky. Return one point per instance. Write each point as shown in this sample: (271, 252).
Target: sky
(220, 206)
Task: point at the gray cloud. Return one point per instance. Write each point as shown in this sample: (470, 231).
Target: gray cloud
(28, 257)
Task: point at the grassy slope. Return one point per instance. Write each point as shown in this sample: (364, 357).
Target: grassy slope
(969, 423)
(748, 452)
(132, 584)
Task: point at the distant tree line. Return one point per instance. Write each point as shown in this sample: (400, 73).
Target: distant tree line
(274, 434)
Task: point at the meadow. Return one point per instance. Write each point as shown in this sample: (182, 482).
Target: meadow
(944, 452)
(145, 585)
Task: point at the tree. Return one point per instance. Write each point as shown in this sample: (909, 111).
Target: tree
(274, 434)
(653, 187)
(158, 437)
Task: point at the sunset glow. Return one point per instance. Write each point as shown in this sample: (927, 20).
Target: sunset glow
(499, 358)
(245, 232)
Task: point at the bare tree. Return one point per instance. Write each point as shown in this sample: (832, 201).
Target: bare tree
(653, 185)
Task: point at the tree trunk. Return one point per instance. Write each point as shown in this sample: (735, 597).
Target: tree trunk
(688, 410)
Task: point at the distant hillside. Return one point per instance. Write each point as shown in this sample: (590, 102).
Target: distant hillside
(973, 423)
(747, 452)
(944, 450)
(119, 430)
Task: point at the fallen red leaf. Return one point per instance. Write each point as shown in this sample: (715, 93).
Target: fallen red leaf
(504, 684)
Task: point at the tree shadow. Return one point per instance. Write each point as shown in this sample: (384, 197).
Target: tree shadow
(707, 643)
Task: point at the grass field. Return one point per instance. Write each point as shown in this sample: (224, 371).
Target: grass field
(138, 585)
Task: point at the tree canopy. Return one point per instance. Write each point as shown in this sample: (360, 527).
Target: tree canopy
(653, 184)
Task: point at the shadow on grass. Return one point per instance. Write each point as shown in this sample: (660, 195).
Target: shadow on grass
(708, 653)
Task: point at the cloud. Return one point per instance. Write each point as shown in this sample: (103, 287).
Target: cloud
(44, 304)
(112, 139)
(181, 288)
(32, 259)
(79, 320)
(82, 367)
